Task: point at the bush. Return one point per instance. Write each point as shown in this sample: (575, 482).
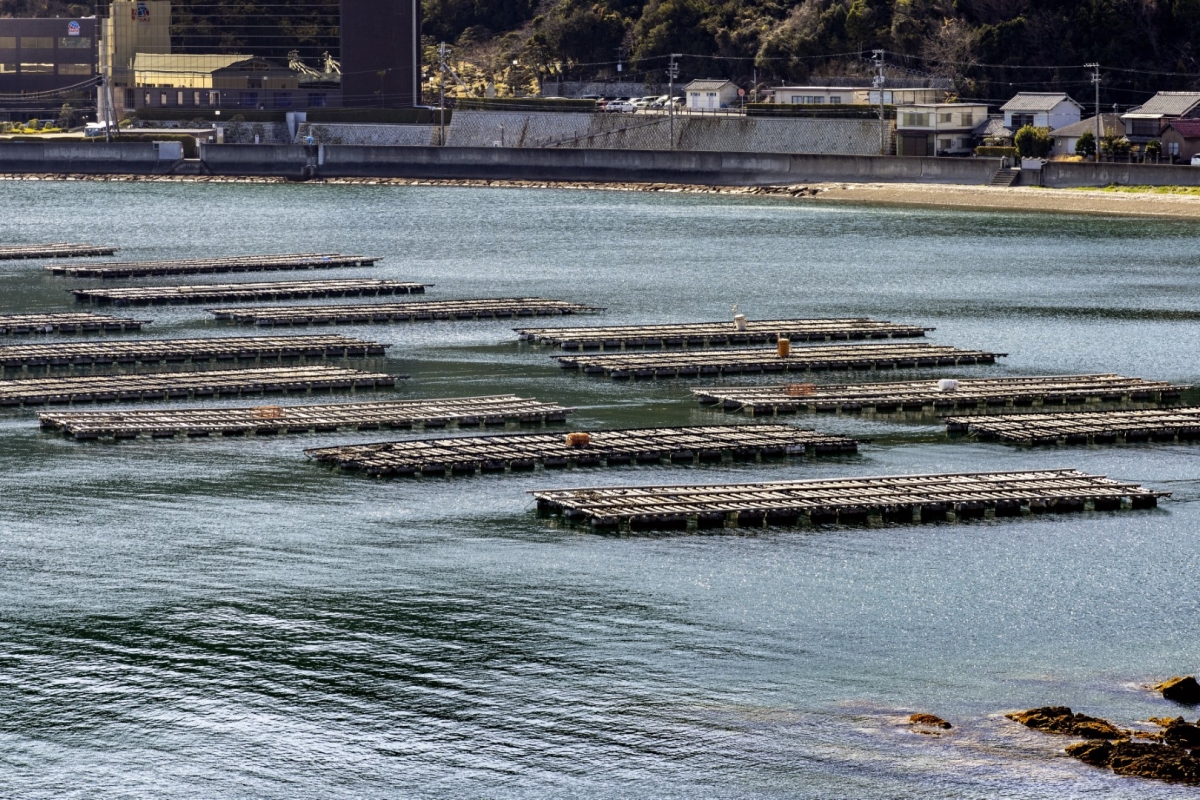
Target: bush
(1153, 148)
(1086, 145)
(1033, 142)
(992, 151)
(390, 116)
(524, 104)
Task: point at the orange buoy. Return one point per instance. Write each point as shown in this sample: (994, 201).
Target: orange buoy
(784, 347)
(578, 440)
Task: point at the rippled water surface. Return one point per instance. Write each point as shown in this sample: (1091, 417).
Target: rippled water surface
(225, 618)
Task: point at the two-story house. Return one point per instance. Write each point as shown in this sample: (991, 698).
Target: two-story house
(937, 129)
(1050, 110)
(1149, 120)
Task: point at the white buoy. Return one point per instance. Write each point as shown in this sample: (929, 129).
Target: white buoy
(739, 322)
(948, 385)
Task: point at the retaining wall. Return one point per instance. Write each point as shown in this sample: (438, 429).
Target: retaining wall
(1065, 174)
(89, 158)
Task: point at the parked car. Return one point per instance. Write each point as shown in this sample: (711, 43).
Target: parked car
(641, 103)
(1196, 160)
(621, 106)
(661, 102)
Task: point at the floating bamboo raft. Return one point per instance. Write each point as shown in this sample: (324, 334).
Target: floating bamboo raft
(185, 385)
(894, 498)
(13, 252)
(153, 351)
(264, 420)
(972, 393)
(82, 322)
(1100, 427)
(689, 364)
(245, 292)
(468, 455)
(499, 308)
(130, 269)
(716, 334)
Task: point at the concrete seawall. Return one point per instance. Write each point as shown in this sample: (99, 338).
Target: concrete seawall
(653, 166)
(553, 164)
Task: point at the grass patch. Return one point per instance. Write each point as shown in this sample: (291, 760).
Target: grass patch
(1189, 190)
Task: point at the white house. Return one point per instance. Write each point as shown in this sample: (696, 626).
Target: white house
(1067, 137)
(818, 95)
(1051, 110)
(711, 94)
(937, 129)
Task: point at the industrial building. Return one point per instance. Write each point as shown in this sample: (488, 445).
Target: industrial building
(41, 60)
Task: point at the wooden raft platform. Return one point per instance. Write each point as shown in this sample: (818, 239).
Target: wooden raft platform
(71, 322)
(716, 334)
(195, 266)
(469, 455)
(185, 385)
(851, 501)
(418, 311)
(920, 396)
(690, 364)
(1100, 427)
(267, 420)
(153, 351)
(245, 292)
(64, 250)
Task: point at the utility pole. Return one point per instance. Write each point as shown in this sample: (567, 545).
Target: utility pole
(442, 93)
(1095, 68)
(672, 74)
(877, 57)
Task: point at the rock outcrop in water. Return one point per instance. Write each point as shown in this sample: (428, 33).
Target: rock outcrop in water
(929, 720)
(1184, 690)
(1173, 756)
(1060, 719)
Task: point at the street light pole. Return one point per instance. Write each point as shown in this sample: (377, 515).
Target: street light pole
(672, 74)
(877, 56)
(1096, 82)
(442, 94)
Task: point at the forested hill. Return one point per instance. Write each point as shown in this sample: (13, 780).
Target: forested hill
(991, 48)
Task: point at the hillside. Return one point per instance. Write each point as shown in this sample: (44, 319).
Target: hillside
(990, 48)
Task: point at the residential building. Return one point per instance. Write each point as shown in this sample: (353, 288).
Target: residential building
(1181, 140)
(191, 81)
(907, 96)
(1067, 137)
(710, 94)
(46, 55)
(817, 95)
(1148, 121)
(929, 129)
(1049, 110)
(993, 128)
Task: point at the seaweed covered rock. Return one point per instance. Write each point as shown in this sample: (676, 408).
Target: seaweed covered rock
(1060, 719)
(1159, 761)
(929, 720)
(1184, 690)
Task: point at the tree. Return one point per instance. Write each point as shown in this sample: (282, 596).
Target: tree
(1033, 142)
(1086, 145)
(1153, 149)
(65, 116)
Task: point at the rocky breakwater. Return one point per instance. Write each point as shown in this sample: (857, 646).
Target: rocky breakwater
(1170, 754)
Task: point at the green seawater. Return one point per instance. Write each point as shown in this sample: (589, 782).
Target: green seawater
(224, 618)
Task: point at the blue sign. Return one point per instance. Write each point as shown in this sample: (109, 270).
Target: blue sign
(72, 28)
(143, 12)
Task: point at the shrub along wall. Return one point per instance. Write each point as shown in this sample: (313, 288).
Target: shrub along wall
(391, 116)
(525, 104)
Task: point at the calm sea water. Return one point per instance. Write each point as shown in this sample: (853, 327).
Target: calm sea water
(224, 618)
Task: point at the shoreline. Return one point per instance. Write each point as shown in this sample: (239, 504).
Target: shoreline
(925, 195)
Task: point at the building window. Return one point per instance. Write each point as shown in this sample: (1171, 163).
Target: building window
(1021, 120)
(74, 43)
(1173, 148)
(911, 119)
(214, 98)
(1144, 127)
(247, 99)
(162, 98)
(196, 98)
(7, 68)
(945, 144)
(8, 43)
(968, 119)
(37, 69)
(74, 69)
(965, 144)
(317, 100)
(130, 98)
(946, 119)
(179, 98)
(37, 42)
(146, 99)
(836, 99)
(282, 99)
